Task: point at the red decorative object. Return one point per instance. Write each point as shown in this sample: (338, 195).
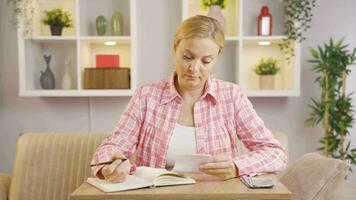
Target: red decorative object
(264, 26)
(107, 61)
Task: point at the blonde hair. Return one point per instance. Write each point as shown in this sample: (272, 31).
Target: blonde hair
(200, 26)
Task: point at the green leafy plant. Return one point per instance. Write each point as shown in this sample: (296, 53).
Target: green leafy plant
(334, 107)
(298, 16)
(267, 67)
(57, 17)
(207, 3)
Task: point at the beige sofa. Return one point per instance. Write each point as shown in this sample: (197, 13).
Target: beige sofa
(52, 165)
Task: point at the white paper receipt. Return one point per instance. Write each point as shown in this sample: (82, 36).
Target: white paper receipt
(190, 163)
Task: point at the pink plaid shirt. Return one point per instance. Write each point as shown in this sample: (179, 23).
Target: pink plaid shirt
(222, 116)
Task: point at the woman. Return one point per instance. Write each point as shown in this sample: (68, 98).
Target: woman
(191, 112)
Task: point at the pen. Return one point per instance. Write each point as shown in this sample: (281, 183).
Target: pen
(106, 163)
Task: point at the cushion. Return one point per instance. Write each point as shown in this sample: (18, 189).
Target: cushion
(314, 176)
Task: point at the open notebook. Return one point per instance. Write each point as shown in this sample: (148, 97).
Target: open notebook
(143, 177)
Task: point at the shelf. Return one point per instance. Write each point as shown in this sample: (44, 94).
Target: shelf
(92, 38)
(252, 53)
(102, 39)
(53, 38)
(79, 44)
(272, 93)
(75, 93)
(60, 51)
(259, 38)
(262, 41)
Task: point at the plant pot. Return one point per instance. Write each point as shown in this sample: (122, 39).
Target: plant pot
(267, 82)
(56, 30)
(215, 12)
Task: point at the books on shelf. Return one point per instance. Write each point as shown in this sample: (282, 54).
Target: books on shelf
(143, 177)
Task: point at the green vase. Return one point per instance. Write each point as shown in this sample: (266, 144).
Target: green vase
(116, 23)
(100, 25)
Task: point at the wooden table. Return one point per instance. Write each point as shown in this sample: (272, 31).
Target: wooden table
(215, 190)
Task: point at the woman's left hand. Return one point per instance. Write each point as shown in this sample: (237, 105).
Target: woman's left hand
(221, 166)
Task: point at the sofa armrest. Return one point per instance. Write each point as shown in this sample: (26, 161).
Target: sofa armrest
(5, 181)
(344, 191)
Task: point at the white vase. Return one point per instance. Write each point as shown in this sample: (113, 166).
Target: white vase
(67, 79)
(267, 82)
(215, 12)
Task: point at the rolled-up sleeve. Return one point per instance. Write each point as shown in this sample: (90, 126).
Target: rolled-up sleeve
(266, 154)
(124, 137)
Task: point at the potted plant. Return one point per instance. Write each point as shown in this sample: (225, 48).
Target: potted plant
(215, 7)
(334, 107)
(298, 16)
(57, 19)
(267, 69)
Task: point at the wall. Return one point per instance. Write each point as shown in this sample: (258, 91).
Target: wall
(156, 26)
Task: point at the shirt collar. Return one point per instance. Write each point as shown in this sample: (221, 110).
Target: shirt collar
(170, 92)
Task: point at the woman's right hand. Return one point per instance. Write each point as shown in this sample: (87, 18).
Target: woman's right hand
(117, 171)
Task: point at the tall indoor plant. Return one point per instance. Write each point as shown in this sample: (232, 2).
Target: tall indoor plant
(215, 7)
(334, 108)
(298, 16)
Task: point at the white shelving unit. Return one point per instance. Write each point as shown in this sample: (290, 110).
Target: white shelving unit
(80, 44)
(243, 52)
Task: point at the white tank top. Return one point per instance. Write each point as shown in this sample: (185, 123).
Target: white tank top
(182, 142)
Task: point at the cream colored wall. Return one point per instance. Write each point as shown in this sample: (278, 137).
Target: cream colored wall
(157, 20)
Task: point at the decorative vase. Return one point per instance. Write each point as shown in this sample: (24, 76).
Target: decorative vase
(215, 12)
(67, 79)
(56, 30)
(267, 82)
(100, 25)
(47, 77)
(116, 23)
(264, 25)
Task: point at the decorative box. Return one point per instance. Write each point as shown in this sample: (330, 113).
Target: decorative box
(107, 61)
(107, 78)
